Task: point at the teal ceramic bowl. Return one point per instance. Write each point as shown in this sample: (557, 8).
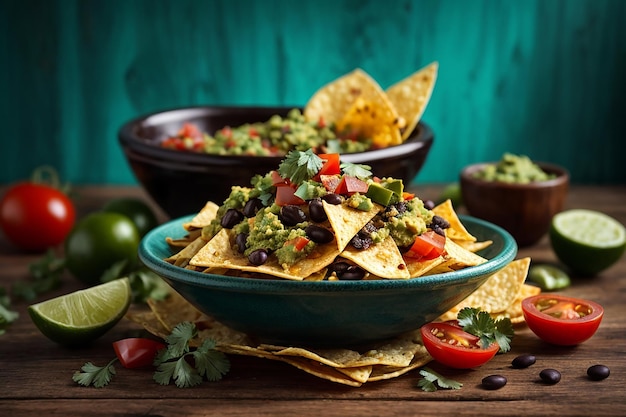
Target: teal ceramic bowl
(326, 313)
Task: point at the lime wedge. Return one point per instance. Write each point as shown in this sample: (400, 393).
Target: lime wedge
(587, 241)
(80, 317)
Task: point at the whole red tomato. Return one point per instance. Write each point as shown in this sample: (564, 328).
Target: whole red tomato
(35, 217)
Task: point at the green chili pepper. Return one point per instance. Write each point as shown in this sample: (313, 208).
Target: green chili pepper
(548, 277)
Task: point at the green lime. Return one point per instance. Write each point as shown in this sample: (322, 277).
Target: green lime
(135, 209)
(80, 317)
(587, 241)
(99, 241)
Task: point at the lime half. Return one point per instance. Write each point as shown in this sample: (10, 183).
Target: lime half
(80, 317)
(587, 241)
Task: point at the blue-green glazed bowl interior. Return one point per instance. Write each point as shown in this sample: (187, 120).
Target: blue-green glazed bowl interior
(325, 313)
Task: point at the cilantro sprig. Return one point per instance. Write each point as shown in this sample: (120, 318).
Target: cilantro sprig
(431, 380)
(482, 325)
(299, 166)
(7, 316)
(359, 171)
(171, 362)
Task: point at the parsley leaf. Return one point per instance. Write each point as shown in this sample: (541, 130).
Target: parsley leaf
(431, 380)
(300, 166)
(98, 376)
(359, 171)
(482, 325)
(172, 362)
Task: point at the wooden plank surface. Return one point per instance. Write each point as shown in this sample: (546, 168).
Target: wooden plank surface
(36, 374)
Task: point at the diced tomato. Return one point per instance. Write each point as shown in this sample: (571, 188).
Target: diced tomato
(227, 131)
(137, 352)
(285, 196)
(350, 185)
(428, 245)
(253, 132)
(299, 242)
(277, 180)
(330, 182)
(189, 130)
(331, 164)
(321, 122)
(408, 196)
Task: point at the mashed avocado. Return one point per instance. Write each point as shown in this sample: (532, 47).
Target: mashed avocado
(405, 220)
(513, 169)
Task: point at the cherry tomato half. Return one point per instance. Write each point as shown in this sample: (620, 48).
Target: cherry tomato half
(137, 352)
(35, 217)
(562, 320)
(450, 345)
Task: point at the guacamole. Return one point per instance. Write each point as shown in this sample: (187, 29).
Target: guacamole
(512, 168)
(274, 137)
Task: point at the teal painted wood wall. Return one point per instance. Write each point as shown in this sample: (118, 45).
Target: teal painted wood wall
(546, 78)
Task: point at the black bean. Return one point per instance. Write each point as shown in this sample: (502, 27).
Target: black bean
(319, 234)
(440, 222)
(316, 210)
(550, 376)
(252, 207)
(353, 273)
(598, 372)
(340, 267)
(240, 241)
(523, 361)
(429, 204)
(291, 215)
(493, 382)
(333, 199)
(360, 242)
(258, 257)
(231, 219)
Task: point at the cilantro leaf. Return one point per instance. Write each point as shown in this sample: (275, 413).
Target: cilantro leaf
(98, 376)
(46, 275)
(359, 171)
(300, 166)
(210, 363)
(431, 380)
(482, 325)
(172, 364)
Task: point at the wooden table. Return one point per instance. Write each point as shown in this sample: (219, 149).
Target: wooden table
(36, 374)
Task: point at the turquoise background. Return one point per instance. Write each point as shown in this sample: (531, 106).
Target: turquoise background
(546, 78)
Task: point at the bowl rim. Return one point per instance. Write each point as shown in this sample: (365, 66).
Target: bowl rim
(127, 137)
(562, 176)
(155, 240)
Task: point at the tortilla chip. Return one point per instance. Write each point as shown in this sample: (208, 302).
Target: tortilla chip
(379, 373)
(382, 259)
(457, 257)
(514, 311)
(346, 222)
(219, 253)
(411, 95)
(203, 218)
(457, 230)
(371, 120)
(418, 268)
(183, 256)
(474, 246)
(498, 293)
(333, 100)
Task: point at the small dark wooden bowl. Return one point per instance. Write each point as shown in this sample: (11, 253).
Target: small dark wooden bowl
(524, 210)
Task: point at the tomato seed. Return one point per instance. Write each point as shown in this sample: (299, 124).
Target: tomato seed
(598, 372)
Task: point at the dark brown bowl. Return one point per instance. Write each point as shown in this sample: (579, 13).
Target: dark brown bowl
(524, 210)
(182, 182)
